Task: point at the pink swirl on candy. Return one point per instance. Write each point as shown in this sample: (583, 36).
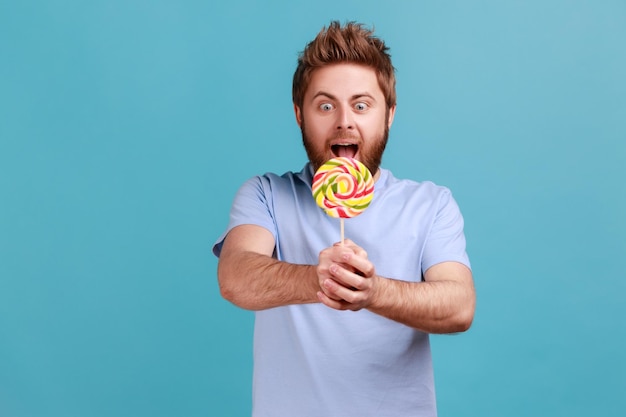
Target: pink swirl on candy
(343, 187)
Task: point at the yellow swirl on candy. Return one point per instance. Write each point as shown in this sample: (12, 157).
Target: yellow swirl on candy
(343, 187)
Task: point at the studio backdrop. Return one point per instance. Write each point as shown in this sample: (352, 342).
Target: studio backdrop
(126, 128)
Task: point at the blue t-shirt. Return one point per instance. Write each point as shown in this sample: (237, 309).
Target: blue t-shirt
(310, 360)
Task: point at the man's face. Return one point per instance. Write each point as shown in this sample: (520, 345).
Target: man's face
(344, 114)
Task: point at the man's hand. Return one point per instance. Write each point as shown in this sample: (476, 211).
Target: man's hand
(347, 278)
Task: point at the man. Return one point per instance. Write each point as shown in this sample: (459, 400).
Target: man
(403, 272)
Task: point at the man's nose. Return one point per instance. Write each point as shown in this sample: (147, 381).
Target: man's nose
(345, 118)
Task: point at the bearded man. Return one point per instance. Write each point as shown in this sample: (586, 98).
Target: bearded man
(343, 330)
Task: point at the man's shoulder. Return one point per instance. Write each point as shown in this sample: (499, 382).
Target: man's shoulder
(287, 178)
(411, 186)
(273, 185)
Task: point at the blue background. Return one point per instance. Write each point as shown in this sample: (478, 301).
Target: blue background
(127, 126)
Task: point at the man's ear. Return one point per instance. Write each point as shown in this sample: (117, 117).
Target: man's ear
(392, 113)
(298, 113)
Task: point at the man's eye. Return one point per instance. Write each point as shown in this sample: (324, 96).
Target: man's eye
(360, 106)
(326, 107)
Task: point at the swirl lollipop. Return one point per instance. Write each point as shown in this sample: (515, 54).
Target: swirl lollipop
(343, 187)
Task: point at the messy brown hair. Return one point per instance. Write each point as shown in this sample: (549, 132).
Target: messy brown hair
(352, 43)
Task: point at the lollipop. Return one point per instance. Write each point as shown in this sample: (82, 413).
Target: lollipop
(343, 187)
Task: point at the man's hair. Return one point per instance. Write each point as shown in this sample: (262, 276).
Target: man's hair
(352, 43)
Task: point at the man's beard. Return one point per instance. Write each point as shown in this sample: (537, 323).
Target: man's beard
(371, 156)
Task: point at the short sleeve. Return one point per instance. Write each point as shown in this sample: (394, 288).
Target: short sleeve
(446, 239)
(252, 205)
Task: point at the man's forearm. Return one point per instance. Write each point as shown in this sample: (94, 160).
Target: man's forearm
(256, 282)
(433, 307)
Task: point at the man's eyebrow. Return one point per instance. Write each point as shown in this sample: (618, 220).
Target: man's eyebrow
(323, 94)
(362, 95)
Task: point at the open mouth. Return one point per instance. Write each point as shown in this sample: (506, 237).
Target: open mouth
(347, 150)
